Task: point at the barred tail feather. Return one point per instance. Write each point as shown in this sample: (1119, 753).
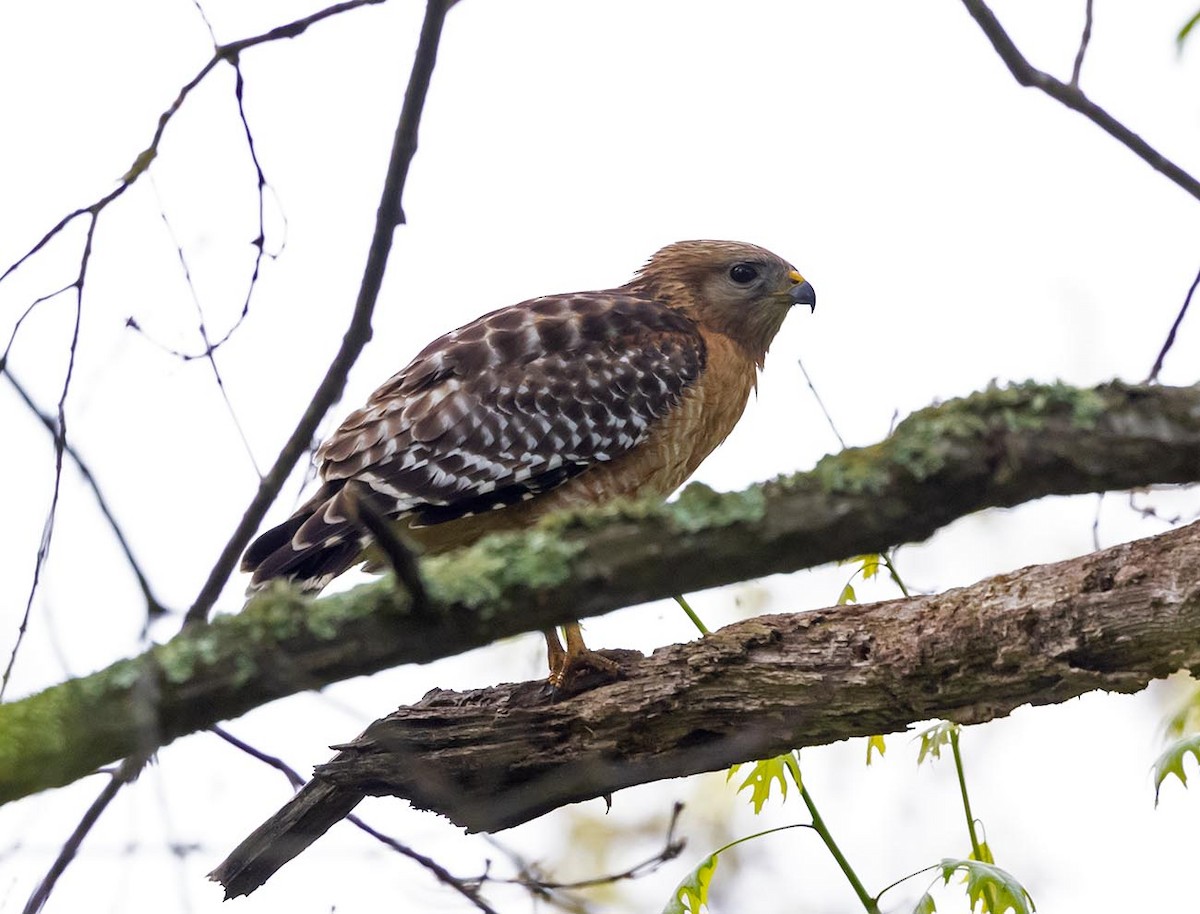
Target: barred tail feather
(310, 568)
(309, 549)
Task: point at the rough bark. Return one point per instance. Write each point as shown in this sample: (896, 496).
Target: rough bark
(999, 447)
(493, 758)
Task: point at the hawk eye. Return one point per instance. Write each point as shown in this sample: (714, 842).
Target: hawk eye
(743, 273)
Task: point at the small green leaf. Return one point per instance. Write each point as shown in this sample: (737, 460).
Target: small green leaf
(933, 739)
(875, 744)
(870, 565)
(1187, 30)
(1171, 762)
(763, 774)
(994, 889)
(847, 595)
(692, 893)
(925, 905)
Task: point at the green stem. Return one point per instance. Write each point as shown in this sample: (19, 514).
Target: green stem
(962, 786)
(868, 903)
(887, 561)
(976, 848)
(691, 613)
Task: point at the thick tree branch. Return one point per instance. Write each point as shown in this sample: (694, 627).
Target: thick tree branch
(494, 758)
(1000, 447)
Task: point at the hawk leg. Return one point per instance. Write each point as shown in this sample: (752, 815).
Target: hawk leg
(566, 664)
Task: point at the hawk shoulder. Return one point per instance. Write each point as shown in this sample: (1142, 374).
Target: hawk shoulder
(516, 403)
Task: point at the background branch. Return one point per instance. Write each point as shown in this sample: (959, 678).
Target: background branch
(1000, 447)
(153, 606)
(469, 889)
(1073, 97)
(389, 215)
(1170, 340)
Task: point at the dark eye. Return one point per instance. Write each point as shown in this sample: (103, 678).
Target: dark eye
(743, 273)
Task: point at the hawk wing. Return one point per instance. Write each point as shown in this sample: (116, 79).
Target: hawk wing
(506, 407)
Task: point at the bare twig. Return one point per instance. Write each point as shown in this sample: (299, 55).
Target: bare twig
(1084, 40)
(228, 52)
(154, 607)
(259, 244)
(467, 887)
(1071, 96)
(210, 348)
(672, 848)
(821, 404)
(273, 761)
(358, 333)
(1149, 512)
(204, 18)
(126, 773)
(1170, 340)
(60, 445)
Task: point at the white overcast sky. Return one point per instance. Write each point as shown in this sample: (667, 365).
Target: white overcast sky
(957, 228)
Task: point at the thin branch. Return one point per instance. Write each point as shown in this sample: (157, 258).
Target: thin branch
(821, 404)
(358, 333)
(60, 445)
(672, 848)
(226, 52)
(1071, 96)
(463, 886)
(1170, 340)
(259, 241)
(466, 887)
(12, 339)
(1149, 512)
(259, 244)
(125, 774)
(153, 607)
(210, 348)
(141, 163)
(272, 761)
(92, 209)
(1084, 40)
(207, 24)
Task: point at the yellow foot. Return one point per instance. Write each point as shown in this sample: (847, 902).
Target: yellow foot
(587, 667)
(576, 667)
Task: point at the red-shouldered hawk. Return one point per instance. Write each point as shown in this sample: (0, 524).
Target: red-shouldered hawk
(563, 400)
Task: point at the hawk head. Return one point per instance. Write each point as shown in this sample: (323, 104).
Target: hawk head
(735, 288)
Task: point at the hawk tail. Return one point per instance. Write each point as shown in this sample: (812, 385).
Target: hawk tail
(309, 549)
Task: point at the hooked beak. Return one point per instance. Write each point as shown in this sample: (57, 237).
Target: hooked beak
(802, 293)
